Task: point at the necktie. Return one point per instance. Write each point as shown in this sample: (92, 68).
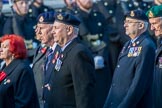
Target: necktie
(48, 58)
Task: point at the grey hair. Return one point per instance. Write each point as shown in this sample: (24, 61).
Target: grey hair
(75, 31)
(160, 18)
(145, 25)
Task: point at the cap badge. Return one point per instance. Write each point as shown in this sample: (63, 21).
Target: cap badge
(132, 14)
(60, 17)
(41, 19)
(151, 14)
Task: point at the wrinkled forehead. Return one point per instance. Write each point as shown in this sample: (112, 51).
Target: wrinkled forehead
(85, 1)
(155, 20)
(43, 25)
(132, 19)
(69, 1)
(20, 1)
(58, 24)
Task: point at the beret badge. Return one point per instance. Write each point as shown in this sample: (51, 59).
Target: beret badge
(41, 19)
(151, 14)
(132, 14)
(60, 17)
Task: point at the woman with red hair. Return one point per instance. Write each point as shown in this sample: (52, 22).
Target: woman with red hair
(17, 86)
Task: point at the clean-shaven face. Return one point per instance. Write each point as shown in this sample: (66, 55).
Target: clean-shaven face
(60, 33)
(5, 54)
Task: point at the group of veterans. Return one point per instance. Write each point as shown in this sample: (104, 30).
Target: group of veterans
(85, 55)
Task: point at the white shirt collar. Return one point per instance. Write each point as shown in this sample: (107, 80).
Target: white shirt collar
(54, 46)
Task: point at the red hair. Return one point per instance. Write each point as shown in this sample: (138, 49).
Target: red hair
(17, 45)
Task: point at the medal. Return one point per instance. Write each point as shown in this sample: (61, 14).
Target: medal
(58, 64)
(160, 62)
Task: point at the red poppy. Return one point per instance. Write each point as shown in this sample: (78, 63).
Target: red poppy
(2, 76)
(43, 50)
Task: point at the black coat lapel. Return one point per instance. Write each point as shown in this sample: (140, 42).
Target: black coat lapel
(124, 51)
(9, 69)
(38, 55)
(69, 47)
(159, 50)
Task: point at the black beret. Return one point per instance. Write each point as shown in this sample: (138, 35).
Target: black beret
(46, 18)
(67, 18)
(137, 14)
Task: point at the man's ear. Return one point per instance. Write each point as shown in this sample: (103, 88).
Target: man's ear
(69, 30)
(141, 25)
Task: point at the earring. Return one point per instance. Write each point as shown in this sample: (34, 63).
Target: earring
(12, 57)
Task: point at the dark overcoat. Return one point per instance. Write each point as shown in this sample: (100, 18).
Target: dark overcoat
(18, 89)
(73, 84)
(38, 70)
(133, 76)
(157, 82)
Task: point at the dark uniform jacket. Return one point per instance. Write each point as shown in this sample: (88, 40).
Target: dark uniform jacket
(18, 90)
(73, 84)
(2, 21)
(20, 25)
(38, 70)
(157, 82)
(94, 33)
(128, 5)
(35, 11)
(132, 80)
(107, 8)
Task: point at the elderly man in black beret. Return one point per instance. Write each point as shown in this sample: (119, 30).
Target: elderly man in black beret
(42, 62)
(155, 18)
(73, 80)
(132, 80)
